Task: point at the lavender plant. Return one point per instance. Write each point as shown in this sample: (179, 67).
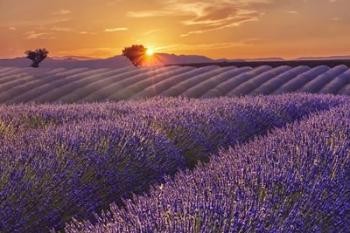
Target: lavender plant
(294, 180)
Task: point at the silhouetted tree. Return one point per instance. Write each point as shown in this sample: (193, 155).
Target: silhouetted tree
(136, 54)
(37, 56)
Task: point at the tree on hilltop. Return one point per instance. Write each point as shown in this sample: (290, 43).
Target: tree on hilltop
(136, 54)
(37, 56)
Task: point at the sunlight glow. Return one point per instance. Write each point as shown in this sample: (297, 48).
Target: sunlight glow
(150, 52)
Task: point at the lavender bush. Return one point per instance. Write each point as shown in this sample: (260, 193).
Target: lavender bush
(294, 180)
(51, 175)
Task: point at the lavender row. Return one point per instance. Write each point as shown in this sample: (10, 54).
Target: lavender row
(22, 116)
(64, 161)
(294, 180)
(48, 177)
(199, 128)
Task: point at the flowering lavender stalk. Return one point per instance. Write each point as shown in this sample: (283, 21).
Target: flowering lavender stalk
(294, 180)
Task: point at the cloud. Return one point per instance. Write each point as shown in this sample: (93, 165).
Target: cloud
(61, 29)
(234, 23)
(91, 52)
(40, 22)
(62, 12)
(151, 32)
(208, 46)
(12, 28)
(208, 15)
(117, 29)
(220, 18)
(336, 19)
(147, 14)
(31, 35)
(87, 33)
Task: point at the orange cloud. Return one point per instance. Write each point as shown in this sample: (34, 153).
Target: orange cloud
(62, 12)
(206, 16)
(31, 35)
(117, 29)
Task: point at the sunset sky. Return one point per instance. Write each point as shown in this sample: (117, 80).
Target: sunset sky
(215, 28)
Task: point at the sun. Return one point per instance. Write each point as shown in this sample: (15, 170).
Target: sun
(150, 52)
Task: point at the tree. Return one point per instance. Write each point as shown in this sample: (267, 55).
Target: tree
(136, 54)
(37, 56)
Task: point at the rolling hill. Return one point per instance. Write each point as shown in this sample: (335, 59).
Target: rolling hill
(112, 62)
(63, 85)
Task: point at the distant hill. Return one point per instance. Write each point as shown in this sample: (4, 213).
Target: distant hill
(166, 59)
(69, 62)
(266, 59)
(325, 58)
(113, 62)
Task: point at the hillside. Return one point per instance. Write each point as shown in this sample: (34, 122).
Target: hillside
(170, 59)
(64, 85)
(112, 62)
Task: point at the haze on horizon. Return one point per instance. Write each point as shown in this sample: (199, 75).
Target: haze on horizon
(214, 28)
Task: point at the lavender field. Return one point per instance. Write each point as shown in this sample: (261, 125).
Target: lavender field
(84, 85)
(249, 164)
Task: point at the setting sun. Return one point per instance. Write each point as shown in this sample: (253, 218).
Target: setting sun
(150, 52)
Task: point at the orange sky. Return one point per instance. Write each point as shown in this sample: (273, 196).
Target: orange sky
(215, 28)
